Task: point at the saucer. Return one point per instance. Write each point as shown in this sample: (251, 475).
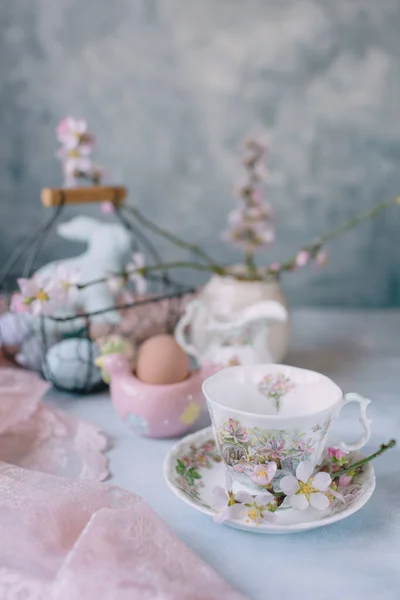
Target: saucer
(193, 467)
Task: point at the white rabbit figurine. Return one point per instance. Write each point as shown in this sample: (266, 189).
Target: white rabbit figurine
(108, 251)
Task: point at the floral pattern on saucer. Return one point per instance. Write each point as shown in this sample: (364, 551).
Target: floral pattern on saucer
(275, 386)
(189, 467)
(198, 493)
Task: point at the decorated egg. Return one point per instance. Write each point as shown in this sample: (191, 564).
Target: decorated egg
(161, 360)
(70, 365)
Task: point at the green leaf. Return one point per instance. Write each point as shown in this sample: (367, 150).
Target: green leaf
(180, 467)
(193, 473)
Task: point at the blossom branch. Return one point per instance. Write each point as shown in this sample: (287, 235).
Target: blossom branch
(365, 460)
(159, 267)
(314, 248)
(174, 238)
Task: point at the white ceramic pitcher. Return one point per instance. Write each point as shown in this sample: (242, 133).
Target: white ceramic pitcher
(236, 338)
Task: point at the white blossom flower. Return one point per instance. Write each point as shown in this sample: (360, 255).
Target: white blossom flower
(116, 283)
(225, 502)
(134, 274)
(259, 509)
(37, 295)
(76, 161)
(66, 280)
(305, 489)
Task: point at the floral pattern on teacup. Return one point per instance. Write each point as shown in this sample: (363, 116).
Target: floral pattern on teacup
(245, 449)
(275, 386)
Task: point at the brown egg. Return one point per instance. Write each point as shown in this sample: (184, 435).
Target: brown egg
(161, 360)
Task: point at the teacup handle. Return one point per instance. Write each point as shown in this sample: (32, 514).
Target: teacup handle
(365, 422)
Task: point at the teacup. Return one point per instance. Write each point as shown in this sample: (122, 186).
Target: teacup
(263, 413)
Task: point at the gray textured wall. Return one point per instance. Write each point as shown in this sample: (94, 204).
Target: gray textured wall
(171, 86)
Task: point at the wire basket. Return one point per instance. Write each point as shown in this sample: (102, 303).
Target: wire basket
(64, 348)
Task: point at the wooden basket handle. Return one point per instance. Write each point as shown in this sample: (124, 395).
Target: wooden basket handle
(55, 196)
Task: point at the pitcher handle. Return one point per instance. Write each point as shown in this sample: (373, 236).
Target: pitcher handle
(184, 321)
(365, 422)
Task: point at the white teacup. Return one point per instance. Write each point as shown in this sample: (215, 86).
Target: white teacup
(264, 412)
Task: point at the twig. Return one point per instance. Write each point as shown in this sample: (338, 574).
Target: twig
(362, 462)
(174, 238)
(315, 247)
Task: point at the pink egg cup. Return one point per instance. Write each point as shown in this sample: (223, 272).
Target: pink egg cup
(157, 411)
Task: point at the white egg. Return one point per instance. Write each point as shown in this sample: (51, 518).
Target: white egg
(70, 365)
(13, 329)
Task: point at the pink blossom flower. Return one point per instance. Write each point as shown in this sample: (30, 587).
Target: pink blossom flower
(302, 258)
(248, 231)
(37, 295)
(107, 208)
(133, 269)
(65, 283)
(264, 474)
(275, 266)
(345, 480)
(72, 133)
(336, 453)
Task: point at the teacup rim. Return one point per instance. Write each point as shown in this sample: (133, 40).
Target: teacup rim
(272, 417)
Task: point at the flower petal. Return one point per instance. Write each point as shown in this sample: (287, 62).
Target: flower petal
(337, 495)
(236, 511)
(271, 470)
(243, 497)
(27, 286)
(220, 498)
(322, 481)
(263, 499)
(299, 502)
(345, 480)
(269, 517)
(289, 485)
(319, 501)
(304, 471)
(221, 516)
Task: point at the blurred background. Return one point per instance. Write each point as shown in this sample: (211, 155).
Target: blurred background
(171, 87)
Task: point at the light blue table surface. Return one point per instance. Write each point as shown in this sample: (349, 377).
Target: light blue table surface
(356, 559)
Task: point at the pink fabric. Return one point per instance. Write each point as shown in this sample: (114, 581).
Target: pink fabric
(64, 539)
(75, 539)
(36, 436)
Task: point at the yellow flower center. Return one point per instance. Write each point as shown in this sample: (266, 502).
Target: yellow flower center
(262, 473)
(73, 154)
(253, 514)
(42, 295)
(306, 488)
